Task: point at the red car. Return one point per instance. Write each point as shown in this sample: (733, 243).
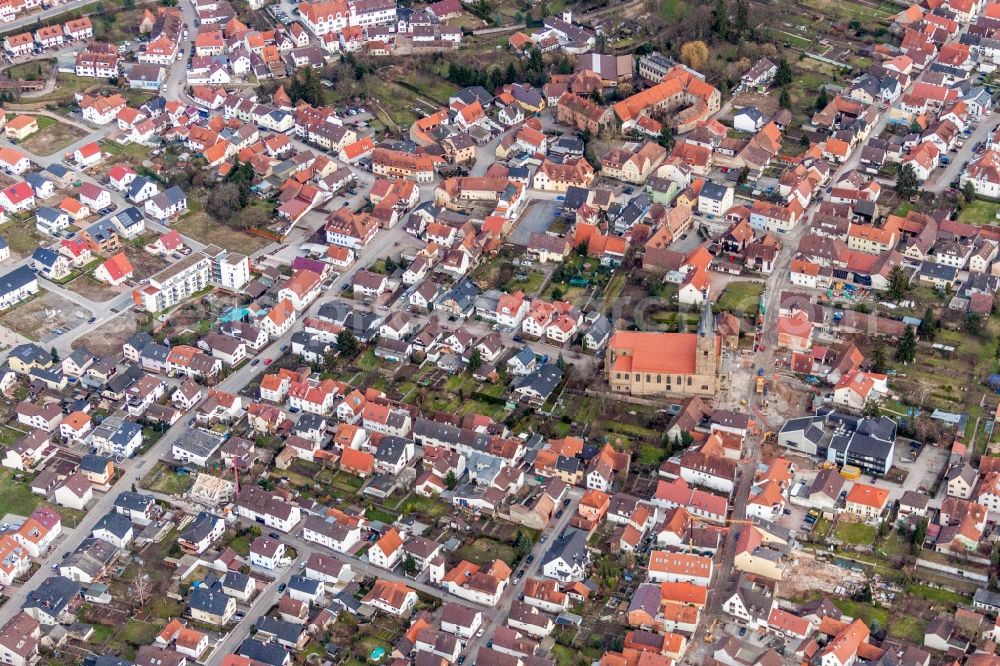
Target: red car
(268, 361)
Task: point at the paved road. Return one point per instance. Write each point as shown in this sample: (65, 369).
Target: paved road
(942, 178)
(133, 470)
(495, 616)
(778, 281)
(29, 20)
(173, 88)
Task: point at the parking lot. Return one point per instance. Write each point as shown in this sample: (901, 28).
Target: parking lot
(537, 217)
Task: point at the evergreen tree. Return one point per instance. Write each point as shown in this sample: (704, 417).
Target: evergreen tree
(878, 360)
(720, 19)
(906, 352)
(918, 535)
(450, 480)
(475, 360)
(347, 343)
(783, 76)
(307, 87)
(928, 325)
(906, 182)
(535, 62)
(822, 99)
(974, 324)
(969, 191)
(899, 283)
(784, 99)
(741, 20)
(666, 138)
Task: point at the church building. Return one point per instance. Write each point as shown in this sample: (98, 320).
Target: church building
(650, 364)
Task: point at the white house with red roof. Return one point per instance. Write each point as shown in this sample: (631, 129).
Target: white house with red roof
(17, 198)
(120, 177)
(855, 389)
(984, 174)
(866, 502)
(76, 250)
(387, 551)
(511, 309)
(301, 289)
(115, 270)
(88, 155)
(670, 567)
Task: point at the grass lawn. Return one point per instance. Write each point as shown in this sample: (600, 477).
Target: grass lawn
(821, 529)
(567, 656)
(347, 482)
(613, 290)
(427, 505)
(496, 412)
(936, 595)
(137, 632)
(484, 550)
(907, 627)
(866, 612)
(67, 85)
(16, 497)
(894, 545)
(33, 70)
(102, 633)
(740, 297)
(8, 435)
(241, 544)
(855, 534)
(134, 151)
(380, 515)
(22, 237)
(979, 212)
(673, 10)
(530, 285)
(650, 455)
(165, 608)
(163, 479)
(198, 225)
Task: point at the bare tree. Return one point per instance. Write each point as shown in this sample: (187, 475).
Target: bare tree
(141, 588)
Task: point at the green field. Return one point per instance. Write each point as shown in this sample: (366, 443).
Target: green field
(163, 479)
(979, 212)
(937, 595)
(16, 497)
(855, 534)
(430, 506)
(740, 297)
(484, 550)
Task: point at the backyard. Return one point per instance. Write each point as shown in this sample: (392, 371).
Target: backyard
(485, 549)
(740, 297)
(980, 212)
(163, 479)
(200, 226)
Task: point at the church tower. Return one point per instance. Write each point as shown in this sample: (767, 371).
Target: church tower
(706, 354)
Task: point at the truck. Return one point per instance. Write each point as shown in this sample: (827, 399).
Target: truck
(760, 384)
